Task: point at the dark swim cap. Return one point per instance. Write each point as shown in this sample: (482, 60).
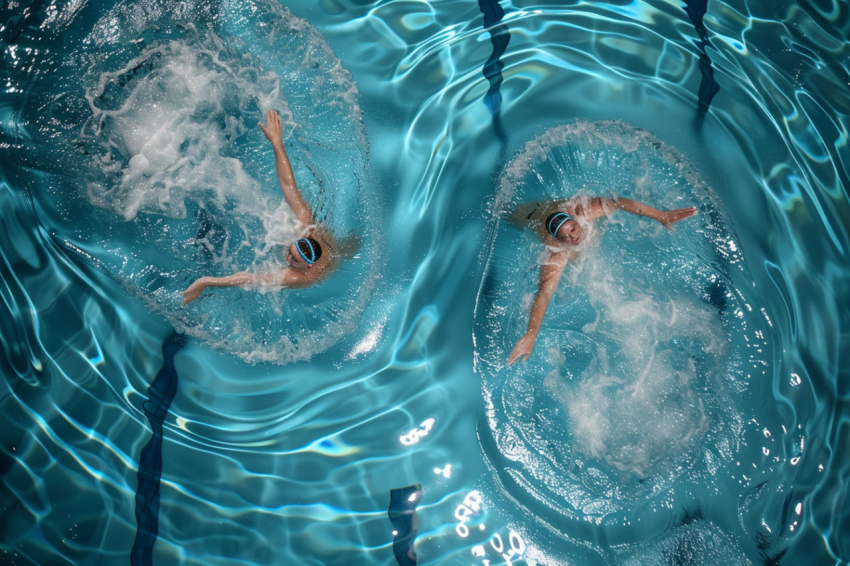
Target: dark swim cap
(555, 221)
(309, 249)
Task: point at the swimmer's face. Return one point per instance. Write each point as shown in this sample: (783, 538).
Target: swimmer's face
(570, 233)
(294, 259)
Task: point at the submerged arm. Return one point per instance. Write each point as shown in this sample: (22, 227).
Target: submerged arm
(666, 217)
(273, 131)
(287, 278)
(550, 275)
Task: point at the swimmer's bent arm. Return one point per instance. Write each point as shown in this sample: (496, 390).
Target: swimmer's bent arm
(274, 133)
(550, 275)
(666, 217)
(285, 278)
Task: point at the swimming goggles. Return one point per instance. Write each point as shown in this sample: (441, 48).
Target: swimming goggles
(555, 221)
(309, 244)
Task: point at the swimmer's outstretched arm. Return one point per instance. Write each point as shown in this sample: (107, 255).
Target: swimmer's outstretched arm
(666, 217)
(286, 278)
(550, 275)
(274, 132)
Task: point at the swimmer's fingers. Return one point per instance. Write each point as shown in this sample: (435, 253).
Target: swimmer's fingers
(682, 213)
(518, 355)
(189, 296)
(521, 357)
(193, 292)
(266, 132)
(272, 129)
(523, 349)
(673, 216)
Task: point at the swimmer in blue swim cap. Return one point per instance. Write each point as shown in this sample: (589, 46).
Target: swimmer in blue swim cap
(310, 258)
(563, 226)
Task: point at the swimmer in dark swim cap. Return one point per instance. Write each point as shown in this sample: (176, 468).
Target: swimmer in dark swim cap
(562, 226)
(310, 258)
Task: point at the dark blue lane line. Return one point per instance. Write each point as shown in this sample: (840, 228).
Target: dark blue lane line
(499, 37)
(696, 10)
(160, 395)
(402, 512)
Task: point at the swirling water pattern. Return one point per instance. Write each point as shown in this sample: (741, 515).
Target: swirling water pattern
(179, 174)
(658, 368)
(277, 464)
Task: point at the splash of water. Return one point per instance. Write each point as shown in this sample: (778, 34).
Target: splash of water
(628, 392)
(178, 182)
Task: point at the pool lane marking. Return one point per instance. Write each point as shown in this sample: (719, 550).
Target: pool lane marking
(708, 87)
(160, 395)
(402, 514)
(500, 37)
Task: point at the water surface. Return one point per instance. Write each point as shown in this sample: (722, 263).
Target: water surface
(712, 360)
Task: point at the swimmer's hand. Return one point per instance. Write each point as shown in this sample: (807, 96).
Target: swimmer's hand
(668, 217)
(672, 216)
(274, 130)
(195, 290)
(523, 348)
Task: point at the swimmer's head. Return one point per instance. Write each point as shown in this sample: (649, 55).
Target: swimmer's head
(304, 253)
(564, 228)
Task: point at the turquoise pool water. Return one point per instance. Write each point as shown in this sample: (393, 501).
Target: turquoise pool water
(687, 399)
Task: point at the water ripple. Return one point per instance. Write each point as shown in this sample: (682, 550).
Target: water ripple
(263, 464)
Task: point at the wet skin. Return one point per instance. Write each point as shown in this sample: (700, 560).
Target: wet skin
(571, 234)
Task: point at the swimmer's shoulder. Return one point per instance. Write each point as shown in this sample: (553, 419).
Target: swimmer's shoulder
(297, 278)
(601, 206)
(574, 206)
(301, 278)
(588, 207)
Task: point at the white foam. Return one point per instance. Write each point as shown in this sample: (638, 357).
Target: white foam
(177, 156)
(645, 408)
(171, 137)
(630, 392)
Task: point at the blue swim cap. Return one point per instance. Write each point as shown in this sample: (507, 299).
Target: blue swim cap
(304, 247)
(555, 221)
